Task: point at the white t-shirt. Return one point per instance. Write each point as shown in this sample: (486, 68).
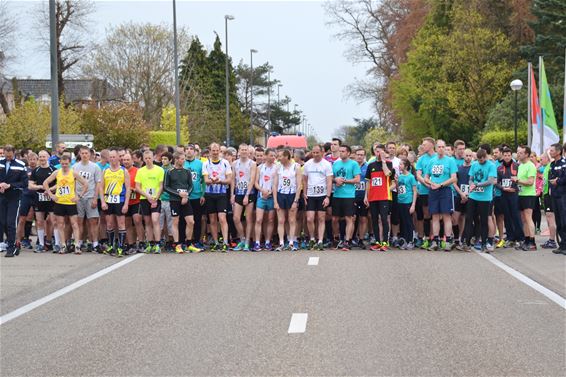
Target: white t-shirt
(287, 178)
(316, 173)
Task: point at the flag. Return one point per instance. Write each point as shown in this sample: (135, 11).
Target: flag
(536, 120)
(564, 114)
(549, 129)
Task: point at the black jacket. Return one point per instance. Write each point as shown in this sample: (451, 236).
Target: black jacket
(557, 170)
(16, 177)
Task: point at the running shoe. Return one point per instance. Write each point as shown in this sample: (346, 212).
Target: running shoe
(447, 246)
(409, 246)
(375, 247)
(489, 247)
(281, 247)
(312, 244)
(304, 245)
(532, 247)
(361, 245)
(56, 249)
(395, 243)
(63, 250)
(433, 246)
(71, 248)
(478, 245)
(148, 249)
(246, 247)
(214, 247)
(194, 249)
(199, 245)
(224, 248)
(346, 246)
(26, 244)
(425, 245)
(156, 249)
(97, 249)
(268, 246)
(549, 244)
(384, 246)
(500, 244)
(320, 246)
(339, 245)
(119, 252)
(257, 247)
(239, 246)
(38, 249)
(295, 246)
(179, 249)
(419, 243)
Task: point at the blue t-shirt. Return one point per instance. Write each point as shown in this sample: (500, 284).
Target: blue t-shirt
(348, 170)
(361, 186)
(481, 173)
(463, 178)
(440, 169)
(496, 191)
(422, 165)
(405, 190)
(195, 167)
(459, 161)
(103, 167)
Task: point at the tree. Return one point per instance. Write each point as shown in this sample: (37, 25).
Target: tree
(72, 23)
(118, 125)
(7, 31)
(137, 60)
(453, 76)
(29, 125)
(169, 122)
(378, 135)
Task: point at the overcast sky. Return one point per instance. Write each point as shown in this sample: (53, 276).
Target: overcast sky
(291, 35)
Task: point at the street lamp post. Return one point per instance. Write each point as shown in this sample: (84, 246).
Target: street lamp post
(226, 18)
(516, 85)
(252, 52)
(176, 63)
(294, 111)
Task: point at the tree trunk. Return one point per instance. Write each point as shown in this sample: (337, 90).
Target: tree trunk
(4, 103)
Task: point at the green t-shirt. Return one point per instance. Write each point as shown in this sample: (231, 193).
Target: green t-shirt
(545, 172)
(526, 171)
(150, 179)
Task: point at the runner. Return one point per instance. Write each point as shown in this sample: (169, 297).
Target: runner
(391, 149)
(196, 197)
(346, 174)
(28, 201)
(380, 178)
(243, 196)
(165, 217)
(149, 184)
(217, 176)
(407, 201)
(510, 199)
(525, 180)
(264, 187)
(66, 199)
(360, 208)
(87, 206)
(286, 197)
(547, 202)
(134, 219)
(483, 175)
(117, 191)
(179, 184)
(44, 220)
(317, 178)
(462, 189)
(423, 215)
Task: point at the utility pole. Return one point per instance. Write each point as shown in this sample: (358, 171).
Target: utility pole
(54, 70)
(226, 18)
(176, 63)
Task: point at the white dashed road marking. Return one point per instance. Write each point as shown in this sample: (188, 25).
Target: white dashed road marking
(313, 261)
(298, 323)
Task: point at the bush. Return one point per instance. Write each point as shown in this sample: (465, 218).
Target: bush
(29, 125)
(117, 125)
(165, 138)
(504, 137)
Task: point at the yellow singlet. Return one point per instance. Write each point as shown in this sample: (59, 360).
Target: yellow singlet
(114, 185)
(65, 187)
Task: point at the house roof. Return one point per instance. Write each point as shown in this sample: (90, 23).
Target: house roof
(75, 90)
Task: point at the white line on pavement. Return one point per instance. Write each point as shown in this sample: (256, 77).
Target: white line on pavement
(528, 281)
(313, 261)
(37, 303)
(298, 323)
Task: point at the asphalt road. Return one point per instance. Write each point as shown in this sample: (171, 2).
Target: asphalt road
(396, 313)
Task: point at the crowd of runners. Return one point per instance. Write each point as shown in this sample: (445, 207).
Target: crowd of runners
(333, 196)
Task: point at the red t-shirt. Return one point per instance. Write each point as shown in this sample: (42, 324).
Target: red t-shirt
(379, 184)
(134, 197)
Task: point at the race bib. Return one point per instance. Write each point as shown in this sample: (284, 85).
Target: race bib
(242, 185)
(180, 191)
(377, 181)
(316, 190)
(150, 191)
(64, 190)
(112, 199)
(85, 175)
(194, 176)
(133, 196)
(479, 189)
(286, 182)
(506, 183)
(402, 189)
(465, 189)
(437, 170)
(43, 197)
(360, 186)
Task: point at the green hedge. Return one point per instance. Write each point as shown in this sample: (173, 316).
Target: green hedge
(504, 137)
(164, 137)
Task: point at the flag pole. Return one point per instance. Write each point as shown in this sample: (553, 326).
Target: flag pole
(541, 109)
(529, 99)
